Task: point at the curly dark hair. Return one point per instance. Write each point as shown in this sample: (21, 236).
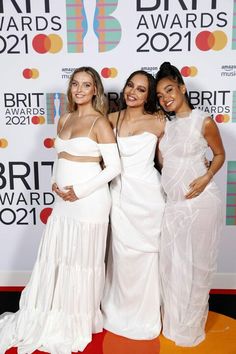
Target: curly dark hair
(150, 105)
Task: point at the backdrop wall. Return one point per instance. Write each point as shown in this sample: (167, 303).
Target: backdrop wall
(40, 45)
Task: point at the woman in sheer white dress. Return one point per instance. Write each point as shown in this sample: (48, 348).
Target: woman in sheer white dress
(60, 306)
(131, 302)
(193, 215)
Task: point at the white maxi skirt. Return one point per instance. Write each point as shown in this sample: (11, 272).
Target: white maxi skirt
(60, 306)
(131, 301)
(189, 247)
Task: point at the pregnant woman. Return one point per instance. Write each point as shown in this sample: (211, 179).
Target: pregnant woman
(193, 214)
(60, 306)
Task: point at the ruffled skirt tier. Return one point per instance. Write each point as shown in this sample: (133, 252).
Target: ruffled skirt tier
(60, 306)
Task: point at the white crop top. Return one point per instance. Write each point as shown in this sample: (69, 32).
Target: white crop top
(78, 146)
(85, 146)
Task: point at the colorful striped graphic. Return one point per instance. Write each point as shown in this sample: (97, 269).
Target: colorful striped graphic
(56, 106)
(106, 27)
(234, 107)
(231, 194)
(234, 27)
(76, 25)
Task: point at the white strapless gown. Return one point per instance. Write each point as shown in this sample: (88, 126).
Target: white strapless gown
(131, 302)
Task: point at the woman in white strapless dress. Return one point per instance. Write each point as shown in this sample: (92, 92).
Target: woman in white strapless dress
(131, 302)
(60, 306)
(193, 215)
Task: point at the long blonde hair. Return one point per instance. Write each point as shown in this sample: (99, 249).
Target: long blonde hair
(99, 101)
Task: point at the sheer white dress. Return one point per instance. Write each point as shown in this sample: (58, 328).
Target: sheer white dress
(60, 306)
(131, 303)
(190, 231)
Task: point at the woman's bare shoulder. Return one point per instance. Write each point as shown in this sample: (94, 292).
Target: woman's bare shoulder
(156, 124)
(62, 120)
(113, 118)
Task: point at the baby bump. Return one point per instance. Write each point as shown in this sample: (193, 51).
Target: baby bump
(71, 172)
(176, 180)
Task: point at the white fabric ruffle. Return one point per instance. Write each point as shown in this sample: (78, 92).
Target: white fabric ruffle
(60, 306)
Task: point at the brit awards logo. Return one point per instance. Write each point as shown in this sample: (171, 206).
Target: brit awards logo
(92, 16)
(183, 26)
(35, 108)
(29, 26)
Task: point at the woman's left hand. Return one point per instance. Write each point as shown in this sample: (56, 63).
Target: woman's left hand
(70, 196)
(197, 186)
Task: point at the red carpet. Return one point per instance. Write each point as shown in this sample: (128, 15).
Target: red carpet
(220, 339)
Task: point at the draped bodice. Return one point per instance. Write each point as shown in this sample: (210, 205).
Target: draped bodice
(137, 196)
(183, 148)
(137, 155)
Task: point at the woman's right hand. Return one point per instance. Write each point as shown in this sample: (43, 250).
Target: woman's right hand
(58, 191)
(54, 187)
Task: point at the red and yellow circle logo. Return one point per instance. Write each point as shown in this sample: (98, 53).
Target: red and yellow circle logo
(47, 44)
(109, 73)
(207, 40)
(38, 120)
(189, 71)
(222, 118)
(30, 73)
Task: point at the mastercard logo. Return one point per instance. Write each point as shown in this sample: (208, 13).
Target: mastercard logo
(207, 40)
(47, 44)
(38, 120)
(48, 143)
(109, 73)
(3, 143)
(30, 73)
(189, 71)
(222, 118)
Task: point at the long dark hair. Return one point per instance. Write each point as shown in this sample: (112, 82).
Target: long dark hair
(150, 105)
(170, 71)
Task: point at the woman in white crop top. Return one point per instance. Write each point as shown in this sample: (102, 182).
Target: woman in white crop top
(60, 306)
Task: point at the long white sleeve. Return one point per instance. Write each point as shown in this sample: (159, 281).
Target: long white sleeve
(54, 169)
(112, 168)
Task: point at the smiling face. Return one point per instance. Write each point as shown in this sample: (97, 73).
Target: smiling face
(171, 96)
(82, 88)
(136, 91)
